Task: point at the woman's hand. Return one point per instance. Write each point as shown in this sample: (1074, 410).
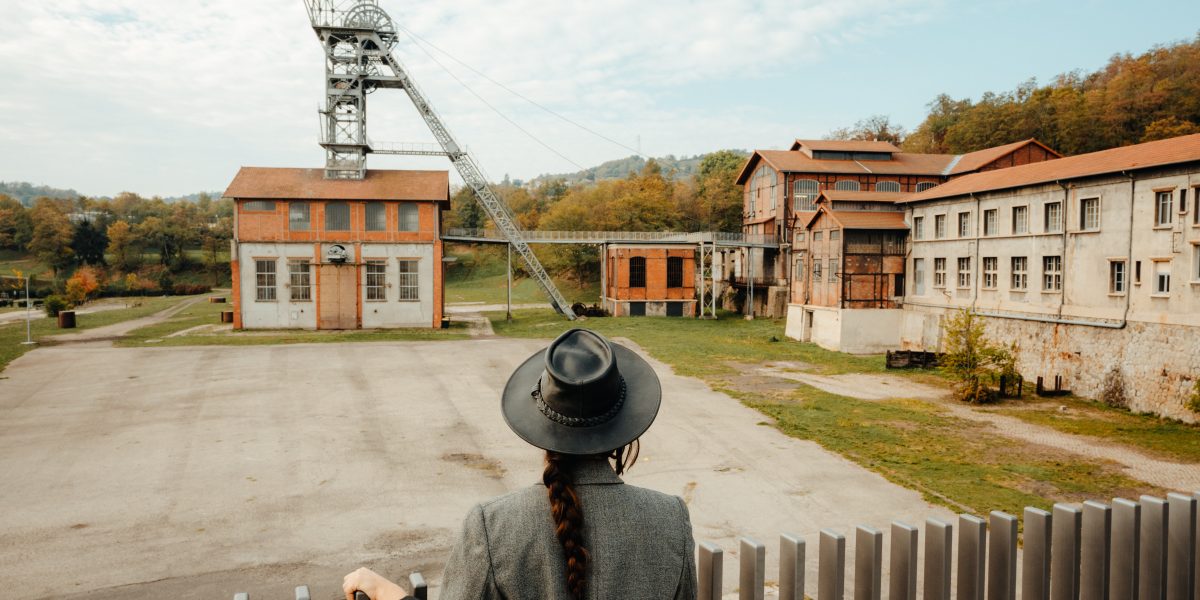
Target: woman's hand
(372, 584)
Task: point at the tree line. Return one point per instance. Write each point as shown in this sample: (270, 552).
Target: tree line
(652, 199)
(1132, 99)
(125, 244)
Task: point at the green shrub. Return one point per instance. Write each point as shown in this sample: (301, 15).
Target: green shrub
(972, 360)
(56, 304)
(1194, 403)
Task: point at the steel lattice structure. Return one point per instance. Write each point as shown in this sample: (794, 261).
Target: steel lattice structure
(358, 38)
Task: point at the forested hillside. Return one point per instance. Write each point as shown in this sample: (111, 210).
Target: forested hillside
(1132, 99)
(674, 168)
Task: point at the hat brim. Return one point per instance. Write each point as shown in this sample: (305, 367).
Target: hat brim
(643, 396)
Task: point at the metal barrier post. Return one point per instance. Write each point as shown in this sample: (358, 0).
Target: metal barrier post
(1152, 563)
(1181, 546)
(1035, 565)
(791, 567)
(709, 572)
(868, 563)
(1064, 553)
(972, 540)
(902, 576)
(752, 569)
(1126, 550)
(1094, 550)
(1002, 557)
(831, 570)
(939, 550)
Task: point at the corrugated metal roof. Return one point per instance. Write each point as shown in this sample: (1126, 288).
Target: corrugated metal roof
(1140, 156)
(902, 163)
(310, 184)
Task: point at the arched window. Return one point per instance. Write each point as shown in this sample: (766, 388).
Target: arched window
(804, 194)
(637, 272)
(887, 186)
(924, 185)
(846, 185)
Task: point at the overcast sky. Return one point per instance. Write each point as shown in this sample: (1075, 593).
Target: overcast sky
(170, 97)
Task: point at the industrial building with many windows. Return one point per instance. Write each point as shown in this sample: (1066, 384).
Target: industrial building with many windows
(316, 253)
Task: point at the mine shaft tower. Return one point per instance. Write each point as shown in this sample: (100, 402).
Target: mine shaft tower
(358, 37)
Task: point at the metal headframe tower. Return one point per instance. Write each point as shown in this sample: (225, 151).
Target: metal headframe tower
(358, 37)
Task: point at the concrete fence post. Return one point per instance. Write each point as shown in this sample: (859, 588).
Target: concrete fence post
(1181, 547)
(1152, 562)
(972, 544)
(420, 590)
(1002, 557)
(1064, 552)
(868, 563)
(1095, 542)
(902, 570)
(791, 567)
(939, 551)
(708, 572)
(752, 561)
(831, 568)
(1035, 562)
(1125, 553)
(302, 593)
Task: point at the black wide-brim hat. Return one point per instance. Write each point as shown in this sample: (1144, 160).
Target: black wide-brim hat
(581, 395)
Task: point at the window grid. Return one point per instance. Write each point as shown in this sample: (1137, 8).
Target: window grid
(991, 274)
(939, 272)
(264, 283)
(299, 216)
(989, 222)
(1162, 208)
(964, 272)
(376, 216)
(919, 228)
(408, 283)
(1162, 282)
(1020, 220)
(846, 185)
(1116, 277)
(832, 270)
(1089, 214)
(1020, 273)
(964, 224)
(939, 226)
(1053, 217)
(637, 272)
(919, 276)
(924, 185)
(816, 271)
(259, 205)
(410, 217)
(1052, 273)
(835, 235)
(337, 216)
(300, 279)
(674, 272)
(804, 194)
(376, 280)
(887, 186)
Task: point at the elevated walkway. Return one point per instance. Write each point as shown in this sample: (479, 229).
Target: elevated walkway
(716, 238)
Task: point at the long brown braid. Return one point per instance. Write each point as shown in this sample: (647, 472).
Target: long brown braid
(567, 510)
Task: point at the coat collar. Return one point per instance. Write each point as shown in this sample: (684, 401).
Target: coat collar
(594, 472)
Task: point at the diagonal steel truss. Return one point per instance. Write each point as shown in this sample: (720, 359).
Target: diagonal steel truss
(358, 37)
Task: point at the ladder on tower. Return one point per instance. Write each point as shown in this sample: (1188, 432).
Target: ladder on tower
(358, 38)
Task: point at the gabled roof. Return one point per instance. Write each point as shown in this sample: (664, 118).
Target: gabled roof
(972, 161)
(268, 183)
(861, 219)
(844, 146)
(1128, 158)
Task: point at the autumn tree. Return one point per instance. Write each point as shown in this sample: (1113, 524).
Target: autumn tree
(121, 246)
(717, 192)
(83, 285)
(875, 128)
(16, 228)
(973, 360)
(51, 235)
(89, 243)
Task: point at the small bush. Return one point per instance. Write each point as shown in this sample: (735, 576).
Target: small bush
(56, 304)
(1194, 403)
(1113, 391)
(972, 360)
(189, 289)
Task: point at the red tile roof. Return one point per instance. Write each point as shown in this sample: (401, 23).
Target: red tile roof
(310, 184)
(862, 219)
(1128, 158)
(844, 146)
(972, 161)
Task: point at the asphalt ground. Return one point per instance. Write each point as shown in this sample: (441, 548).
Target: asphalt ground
(196, 472)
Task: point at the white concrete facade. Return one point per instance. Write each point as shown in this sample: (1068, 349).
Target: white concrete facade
(854, 331)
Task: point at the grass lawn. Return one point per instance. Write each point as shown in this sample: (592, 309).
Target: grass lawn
(205, 313)
(960, 464)
(1164, 438)
(13, 333)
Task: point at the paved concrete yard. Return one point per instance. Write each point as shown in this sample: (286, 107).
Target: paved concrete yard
(197, 472)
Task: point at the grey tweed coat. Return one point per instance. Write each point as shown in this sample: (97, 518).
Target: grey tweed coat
(639, 540)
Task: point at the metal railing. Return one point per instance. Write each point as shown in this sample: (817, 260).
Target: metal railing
(1145, 550)
(714, 237)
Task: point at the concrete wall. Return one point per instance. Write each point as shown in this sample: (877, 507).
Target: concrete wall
(283, 312)
(854, 331)
(392, 312)
(618, 308)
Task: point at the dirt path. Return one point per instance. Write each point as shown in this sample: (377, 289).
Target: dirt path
(40, 313)
(1134, 464)
(109, 333)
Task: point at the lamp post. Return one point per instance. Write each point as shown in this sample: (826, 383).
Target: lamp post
(28, 318)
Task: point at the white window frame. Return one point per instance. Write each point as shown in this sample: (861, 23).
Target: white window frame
(990, 219)
(816, 271)
(1164, 211)
(408, 284)
(1052, 273)
(991, 275)
(1118, 277)
(266, 281)
(832, 274)
(375, 280)
(964, 272)
(300, 279)
(804, 195)
(1092, 224)
(939, 227)
(918, 228)
(964, 224)
(939, 272)
(1055, 224)
(1196, 262)
(1020, 273)
(919, 276)
(1020, 220)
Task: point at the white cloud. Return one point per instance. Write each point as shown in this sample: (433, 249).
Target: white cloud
(222, 82)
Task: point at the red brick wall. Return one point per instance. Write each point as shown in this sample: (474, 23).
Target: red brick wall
(617, 283)
(272, 226)
(1029, 153)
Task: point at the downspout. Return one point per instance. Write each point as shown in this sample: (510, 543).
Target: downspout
(1062, 223)
(978, 279)
(1129, 259)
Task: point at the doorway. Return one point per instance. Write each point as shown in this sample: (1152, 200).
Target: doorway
(338, 297)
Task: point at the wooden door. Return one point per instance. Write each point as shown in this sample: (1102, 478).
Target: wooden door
(338, 297)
